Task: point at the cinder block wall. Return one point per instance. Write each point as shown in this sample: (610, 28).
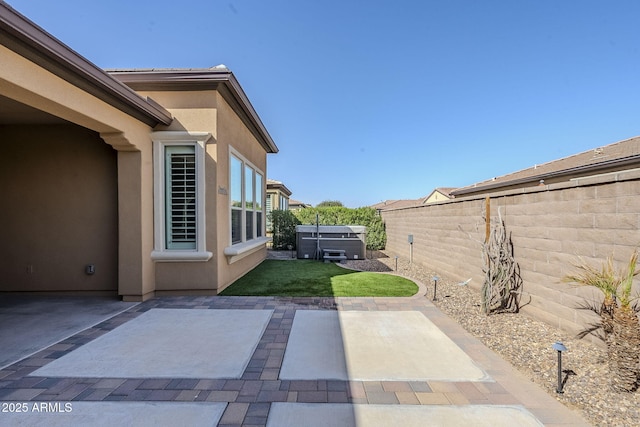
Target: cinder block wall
(552, 228)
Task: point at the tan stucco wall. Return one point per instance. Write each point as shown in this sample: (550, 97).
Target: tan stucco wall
(60, 210)
(32, 85)
(135, 275)
(551, 227)
(193, 111)
(233, 133)
(207, 111)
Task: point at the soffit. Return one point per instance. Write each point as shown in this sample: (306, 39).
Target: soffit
(16, 113)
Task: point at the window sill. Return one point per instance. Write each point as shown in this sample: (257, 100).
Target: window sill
(241, 250)
(181, 256)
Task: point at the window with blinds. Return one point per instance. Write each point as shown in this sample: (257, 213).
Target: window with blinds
(180, 197)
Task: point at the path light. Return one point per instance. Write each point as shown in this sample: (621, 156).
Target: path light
(559, 347)
(435, 286)
(396, 263)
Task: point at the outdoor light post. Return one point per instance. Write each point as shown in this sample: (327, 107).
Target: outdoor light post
(435, 286)
(559, 347)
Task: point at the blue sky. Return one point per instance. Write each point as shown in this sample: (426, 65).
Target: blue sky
(377, 100)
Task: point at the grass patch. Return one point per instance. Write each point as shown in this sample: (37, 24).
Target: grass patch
(308, 278)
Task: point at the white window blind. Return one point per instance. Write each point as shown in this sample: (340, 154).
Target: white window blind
(180, 197)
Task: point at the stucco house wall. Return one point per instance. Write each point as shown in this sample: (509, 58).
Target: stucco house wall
(60, 209)
(85, 181)
(234, 135)
(43, 98)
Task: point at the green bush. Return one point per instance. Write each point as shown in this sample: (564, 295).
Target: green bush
(338, 215)
(284, 228)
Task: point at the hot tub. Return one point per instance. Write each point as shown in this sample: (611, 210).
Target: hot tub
(331, 241)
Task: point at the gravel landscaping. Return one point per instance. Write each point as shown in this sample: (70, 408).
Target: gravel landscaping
(526, 344)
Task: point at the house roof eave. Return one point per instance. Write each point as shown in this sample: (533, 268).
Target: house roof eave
(216, 78)
(27, 39)
(277, 185)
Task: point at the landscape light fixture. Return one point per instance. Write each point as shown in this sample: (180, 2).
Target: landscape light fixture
(559, 347)
(396, 263)
(435, 286)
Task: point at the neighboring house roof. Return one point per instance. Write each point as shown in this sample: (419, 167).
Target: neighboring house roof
(445, 192)
(617, 156)
(277, 185)
(294, 204)
(30, 41)
(218, 78)
(397, 204)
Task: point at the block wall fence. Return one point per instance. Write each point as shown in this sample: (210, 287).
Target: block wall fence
(552, 228)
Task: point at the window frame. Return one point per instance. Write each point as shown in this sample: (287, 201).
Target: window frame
(161, 141)
(172, 198)
(238, 248)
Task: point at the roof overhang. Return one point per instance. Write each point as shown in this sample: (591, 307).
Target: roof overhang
(24, 37)
(220, 79)
(277, 185)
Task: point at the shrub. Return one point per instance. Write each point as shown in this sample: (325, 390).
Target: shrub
(618, 318)
(284, 228)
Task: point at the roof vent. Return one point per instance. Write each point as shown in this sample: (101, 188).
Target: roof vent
(598, 152)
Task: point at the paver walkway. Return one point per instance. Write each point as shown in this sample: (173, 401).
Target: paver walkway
(259, 390)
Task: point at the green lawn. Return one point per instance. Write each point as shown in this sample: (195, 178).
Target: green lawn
(307, 278)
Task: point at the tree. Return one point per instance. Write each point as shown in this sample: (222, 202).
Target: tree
(329, 203)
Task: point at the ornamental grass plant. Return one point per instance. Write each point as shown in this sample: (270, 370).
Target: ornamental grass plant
(618, 318)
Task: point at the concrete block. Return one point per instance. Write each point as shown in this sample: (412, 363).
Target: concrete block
(578, 248)
(533, 231)
(618, 221)
(531, 254)
(628, 204)
(629, 238)
(596, 206)
(546, 245)
(541, 291)
(596, 235)
(541, 315)
(558, 310)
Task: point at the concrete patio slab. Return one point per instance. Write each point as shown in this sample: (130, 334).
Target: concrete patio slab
(172, 324)
(29, 324)
(373, 346)
(143, 414)
(169, 343)
(345, 415)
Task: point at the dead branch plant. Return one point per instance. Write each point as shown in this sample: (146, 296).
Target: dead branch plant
(502, 284)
